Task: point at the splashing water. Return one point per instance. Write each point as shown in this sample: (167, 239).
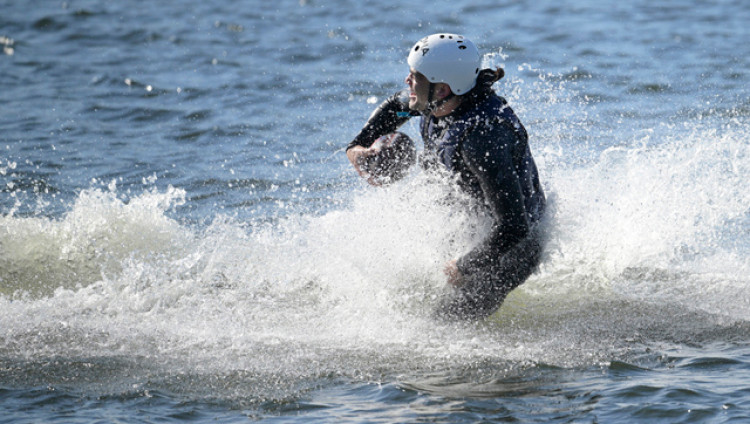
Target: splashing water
(639, 234)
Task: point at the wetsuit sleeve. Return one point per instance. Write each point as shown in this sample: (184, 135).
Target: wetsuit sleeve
(489, 156)
(387, 118)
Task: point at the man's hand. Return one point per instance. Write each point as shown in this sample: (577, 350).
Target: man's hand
(454, 275)
(357, 155)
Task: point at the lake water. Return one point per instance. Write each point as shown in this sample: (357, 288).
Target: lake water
(183, 240)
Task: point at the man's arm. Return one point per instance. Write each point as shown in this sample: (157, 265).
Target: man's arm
(387, 118)
(489, 156)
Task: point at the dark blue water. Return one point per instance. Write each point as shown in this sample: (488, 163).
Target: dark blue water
(183, 239)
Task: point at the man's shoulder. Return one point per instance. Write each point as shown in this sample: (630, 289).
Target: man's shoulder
(491, 106)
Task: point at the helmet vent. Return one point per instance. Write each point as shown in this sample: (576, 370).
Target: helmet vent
(462, 47)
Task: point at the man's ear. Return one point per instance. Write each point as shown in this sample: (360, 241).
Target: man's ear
(442, 90)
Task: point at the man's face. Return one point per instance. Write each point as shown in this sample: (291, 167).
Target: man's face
(419, 88)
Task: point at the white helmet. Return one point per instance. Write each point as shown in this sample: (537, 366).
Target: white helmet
(447, 58)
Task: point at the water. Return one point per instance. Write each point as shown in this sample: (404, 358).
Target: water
(182, 238)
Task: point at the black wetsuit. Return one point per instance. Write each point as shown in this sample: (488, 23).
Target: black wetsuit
(485, 144)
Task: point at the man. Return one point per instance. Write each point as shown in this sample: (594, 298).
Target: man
(473, 133)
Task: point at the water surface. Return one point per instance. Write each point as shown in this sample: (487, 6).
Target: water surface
(182, 238)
